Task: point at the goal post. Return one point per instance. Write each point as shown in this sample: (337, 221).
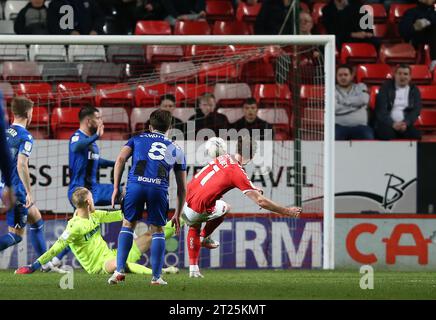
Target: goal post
(327, 106)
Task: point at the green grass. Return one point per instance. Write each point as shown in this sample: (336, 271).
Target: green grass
(226, 284)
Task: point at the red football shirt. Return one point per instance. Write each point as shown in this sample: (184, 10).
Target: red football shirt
(214, 180)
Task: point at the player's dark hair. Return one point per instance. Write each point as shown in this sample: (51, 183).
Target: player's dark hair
(205, 96)
(403, 66)
(20, 106)
(87, 111)
(246, 147)
(79, 197)
(345, 66)
(167, 96)
(250, 101)
(160, 120)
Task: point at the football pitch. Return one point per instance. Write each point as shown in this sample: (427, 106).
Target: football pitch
(224, 284)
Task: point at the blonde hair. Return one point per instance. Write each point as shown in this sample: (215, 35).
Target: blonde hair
(79, 197)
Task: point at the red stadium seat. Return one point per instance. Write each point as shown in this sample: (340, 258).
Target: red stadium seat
(231, 94)
(184, 71)
(257, 72)
(64, 122)
(272, 95)
(111, 95)
(420, 74)
(163, 53)
(116, 123)
(216, 72)
(153, 28)
(358, 53)
(378, 12)
(312, 95)
(231, 27)
(428, 95)
(372, 96)
(187, 94)
(20, 71)
(373, 74)
(200, 51)
(398, 53)
(247, 12)
(317, 17)
(74, 94)
(39, 93)
(39, 127)
(380, 30)
(397, 10)
(219, 10)
(304, 7)
(149, 95)
(427, 124)
(186, 27)
(139, 117)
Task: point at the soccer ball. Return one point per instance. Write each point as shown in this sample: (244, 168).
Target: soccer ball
(216, 147)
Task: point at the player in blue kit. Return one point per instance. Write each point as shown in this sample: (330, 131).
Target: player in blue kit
(20, 143)
(84, 157)
(153, 157)
(84, 162)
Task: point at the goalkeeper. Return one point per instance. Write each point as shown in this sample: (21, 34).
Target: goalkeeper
(84, 238)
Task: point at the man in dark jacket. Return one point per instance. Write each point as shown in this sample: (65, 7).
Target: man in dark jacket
(398, 105)
(87, 17)
(418, 26)
(32, 19)
(257, 127)
(207, 117)
(272, 16)
(342, 18)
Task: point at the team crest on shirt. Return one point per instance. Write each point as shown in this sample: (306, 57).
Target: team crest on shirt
(27, 146)
(75, 139)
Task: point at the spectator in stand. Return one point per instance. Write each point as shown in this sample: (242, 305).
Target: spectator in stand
(272, 18)
(397, 107)
(251, 121)
(183, 10)
(168, 102)
(149, 10)
(87, 18)
(351, 121)
(342, 18)
(418, 26)
(32, 19)
(207, 117)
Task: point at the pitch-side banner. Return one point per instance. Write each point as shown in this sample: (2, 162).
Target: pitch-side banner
(246, 243)
(397, 244)
(370, 176)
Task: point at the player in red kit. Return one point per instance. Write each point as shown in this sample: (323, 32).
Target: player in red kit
(205, 190)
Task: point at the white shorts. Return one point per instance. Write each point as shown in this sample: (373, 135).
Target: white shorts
(191, 217)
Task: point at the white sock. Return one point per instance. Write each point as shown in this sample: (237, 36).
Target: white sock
(432, 65)
(56, 261)
(48, 265)
(193, 268)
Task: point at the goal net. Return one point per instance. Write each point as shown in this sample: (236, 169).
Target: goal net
(219, 85)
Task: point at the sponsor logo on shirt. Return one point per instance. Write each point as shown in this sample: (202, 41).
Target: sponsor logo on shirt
(91, 233)
(93, 156)
(150, 180)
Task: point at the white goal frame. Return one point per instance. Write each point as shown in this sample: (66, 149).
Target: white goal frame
(327, 41)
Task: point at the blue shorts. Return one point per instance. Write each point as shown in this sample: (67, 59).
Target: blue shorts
(17, 216)
(156, 200)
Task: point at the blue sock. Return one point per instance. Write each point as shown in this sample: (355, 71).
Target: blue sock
(37, 237)
(63, 253)
(125, 241)
(157, 254)
(8, 240)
